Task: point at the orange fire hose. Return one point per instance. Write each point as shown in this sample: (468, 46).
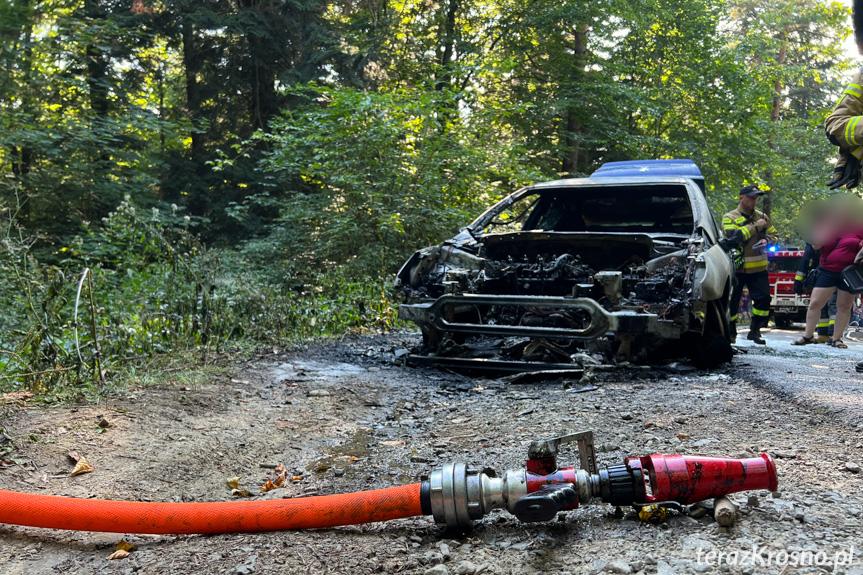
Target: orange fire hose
(217, 517)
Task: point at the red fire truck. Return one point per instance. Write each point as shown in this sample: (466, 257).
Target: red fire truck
(785, 306)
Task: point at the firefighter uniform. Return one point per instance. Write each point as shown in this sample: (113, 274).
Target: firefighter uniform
(844, 127)
(753, 273)
(809, 262)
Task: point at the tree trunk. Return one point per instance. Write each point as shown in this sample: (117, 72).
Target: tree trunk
(263, 102)
(192, 65)
(447, 44)
(767, 202)
(572, 127)
(22, 157)
(97, 67)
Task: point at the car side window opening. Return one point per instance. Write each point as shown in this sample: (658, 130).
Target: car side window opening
(513, 217)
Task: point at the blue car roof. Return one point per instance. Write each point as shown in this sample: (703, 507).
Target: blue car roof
(649, 168)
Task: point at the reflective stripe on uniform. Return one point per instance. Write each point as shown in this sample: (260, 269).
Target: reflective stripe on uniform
(849, 130)
(734, 317)
(854, 90)
(858, 153)
(731, 228)
(761, 312)
(799, 278)
(822, 324)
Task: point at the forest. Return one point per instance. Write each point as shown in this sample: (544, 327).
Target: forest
(185, 179)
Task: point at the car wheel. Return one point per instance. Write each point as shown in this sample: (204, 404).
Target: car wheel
(713, 347)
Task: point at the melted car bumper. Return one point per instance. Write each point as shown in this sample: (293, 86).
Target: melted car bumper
(442, 313)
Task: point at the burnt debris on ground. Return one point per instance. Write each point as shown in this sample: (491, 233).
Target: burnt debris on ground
(346, 416)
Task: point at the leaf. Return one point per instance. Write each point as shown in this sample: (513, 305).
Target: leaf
(279, 479)
(233, 482)
(16, 396)
(682, 436)
(393, 443)
(82, 467)
(73, 455)
(124, 545)
(119, 554)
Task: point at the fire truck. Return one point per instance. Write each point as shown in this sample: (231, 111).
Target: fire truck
(785, 306)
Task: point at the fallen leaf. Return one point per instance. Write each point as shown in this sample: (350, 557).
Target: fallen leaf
(118, 554)
(16, 396)
(234, 486)
(124, 545)
(393, 443)
(280, 476)
(73, 455)
(268, 486)
(82, 467)
(346, 458)
(296, 477)
(682, 436)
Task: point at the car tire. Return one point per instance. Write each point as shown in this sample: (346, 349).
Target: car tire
(713, 347)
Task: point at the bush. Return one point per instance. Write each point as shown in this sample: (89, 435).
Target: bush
(141, 285)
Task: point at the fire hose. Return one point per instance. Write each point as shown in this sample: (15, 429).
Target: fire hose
(454, 495)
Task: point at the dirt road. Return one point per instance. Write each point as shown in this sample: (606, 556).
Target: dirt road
(346, 416)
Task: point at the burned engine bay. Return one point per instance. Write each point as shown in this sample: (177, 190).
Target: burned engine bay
(531, 277)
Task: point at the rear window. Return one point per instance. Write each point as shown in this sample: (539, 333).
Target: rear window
(644, 209)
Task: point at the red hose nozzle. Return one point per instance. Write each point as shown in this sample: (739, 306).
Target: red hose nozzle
(687, 479)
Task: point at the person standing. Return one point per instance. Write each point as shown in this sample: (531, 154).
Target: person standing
(756, 231)
(834, 258)
(809, 262)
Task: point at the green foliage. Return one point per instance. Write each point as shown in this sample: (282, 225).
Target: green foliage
(405, 120)
(155, 290)
(370, 177)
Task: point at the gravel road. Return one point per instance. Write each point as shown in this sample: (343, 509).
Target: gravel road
(347, 415)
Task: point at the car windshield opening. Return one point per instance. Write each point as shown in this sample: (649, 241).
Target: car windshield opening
(633, 208)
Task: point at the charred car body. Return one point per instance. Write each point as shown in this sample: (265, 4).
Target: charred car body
(623, 263)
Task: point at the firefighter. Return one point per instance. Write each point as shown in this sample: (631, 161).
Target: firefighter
(809, 262)
(844, 126)
(756, 230)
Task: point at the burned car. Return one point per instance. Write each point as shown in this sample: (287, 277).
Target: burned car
(628, 263)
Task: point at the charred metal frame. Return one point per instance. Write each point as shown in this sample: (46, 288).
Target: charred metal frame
(434, 315)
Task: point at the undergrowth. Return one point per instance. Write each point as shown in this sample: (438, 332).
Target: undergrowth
(139, 292)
